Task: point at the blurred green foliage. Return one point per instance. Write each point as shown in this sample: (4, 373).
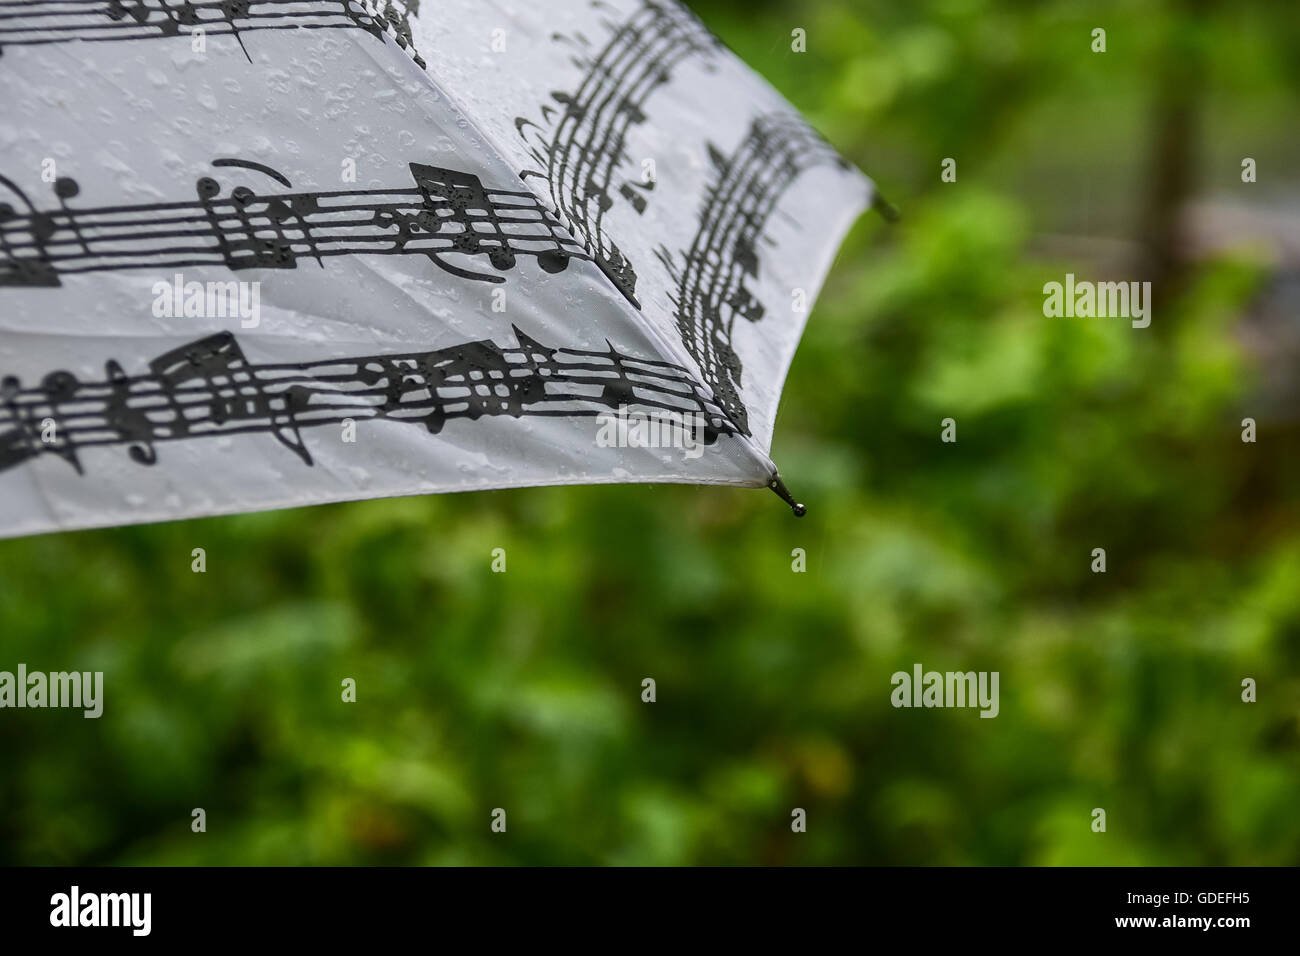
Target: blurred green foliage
(522, 690)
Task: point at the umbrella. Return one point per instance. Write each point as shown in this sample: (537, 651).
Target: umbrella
(265, 253)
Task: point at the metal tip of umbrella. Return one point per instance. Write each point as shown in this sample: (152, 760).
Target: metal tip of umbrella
(777, 485)
(883, 206)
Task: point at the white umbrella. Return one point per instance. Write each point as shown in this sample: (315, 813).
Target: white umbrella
(263, 254)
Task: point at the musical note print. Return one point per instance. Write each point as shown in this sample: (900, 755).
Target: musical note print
(710, 276)
(40, 22)
(581, 142)
(447, 215)
(209, 389)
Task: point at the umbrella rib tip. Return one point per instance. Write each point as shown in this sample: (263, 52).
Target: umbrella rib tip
(782, 492)
(883, 206)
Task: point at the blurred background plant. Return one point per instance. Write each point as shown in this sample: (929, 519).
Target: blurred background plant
(522, 690)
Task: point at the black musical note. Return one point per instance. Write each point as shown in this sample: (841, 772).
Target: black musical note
(710, 278)
(34, 420)
(629, 192)
(215, 368)
(463, 203)
(579, 146)
(447, 214)
(17, 444)
(41, 22)
(132, 424)
(208, 388)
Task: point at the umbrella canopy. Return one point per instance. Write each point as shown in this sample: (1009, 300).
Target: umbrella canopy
(264, 254)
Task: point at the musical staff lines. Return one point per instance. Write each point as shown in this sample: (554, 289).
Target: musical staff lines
(711, 275)
(579, 145)
(40, 22)
(447, 214)
(208, 389)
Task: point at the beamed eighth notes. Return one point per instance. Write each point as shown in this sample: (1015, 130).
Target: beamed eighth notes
(446, 216)
(208, 389)
(43, 22)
